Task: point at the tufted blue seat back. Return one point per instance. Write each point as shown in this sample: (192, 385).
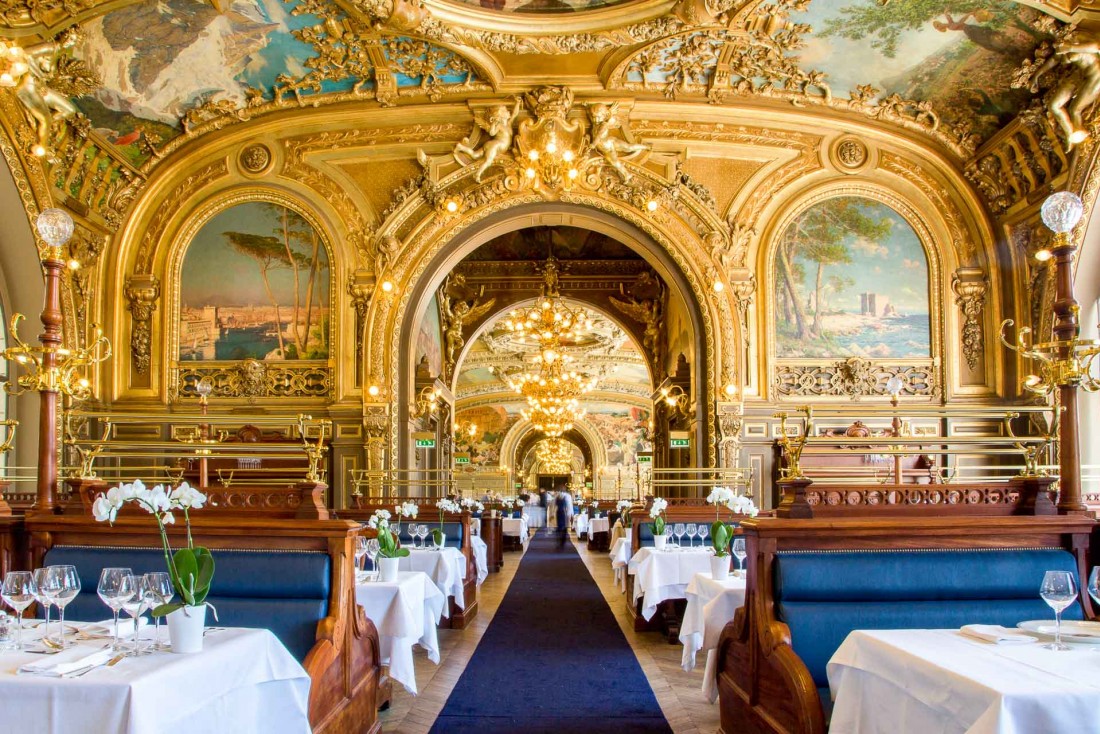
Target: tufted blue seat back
(453, 531)
(645, 535)
(284, 591)
(822, 596)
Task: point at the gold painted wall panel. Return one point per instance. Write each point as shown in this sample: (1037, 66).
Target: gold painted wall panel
(378, 179)
(723, 176)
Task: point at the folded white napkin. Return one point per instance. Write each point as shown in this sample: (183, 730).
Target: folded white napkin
(106, 628)
(996, 634)
(80, 656)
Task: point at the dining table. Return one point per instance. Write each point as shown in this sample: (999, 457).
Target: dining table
(665, 574)
(515, 527)
(599, 525)
(244, 681)
(927, 680)
(481, 558)
(620, 558)
(405, 612)
(580, 524)
(445, 566)
(711, 604)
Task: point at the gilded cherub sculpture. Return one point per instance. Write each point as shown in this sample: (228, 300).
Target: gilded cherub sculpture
(43, 90)
(1076, 92)
(604, 124)
(499, 129)
(457, 313)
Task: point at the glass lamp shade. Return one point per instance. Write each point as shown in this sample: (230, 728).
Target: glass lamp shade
(55, 226)
(1062, 211)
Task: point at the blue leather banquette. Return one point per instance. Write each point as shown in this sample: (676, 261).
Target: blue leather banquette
(284, 591)
(645, 535)
(823, 595)
(454, 531)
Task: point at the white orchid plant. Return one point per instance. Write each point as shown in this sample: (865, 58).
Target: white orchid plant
(191, 569)
(407, 510)
(623, 507)
(657, 514)
(445, 505)
(722, 533)
(472, 505)
(380, 520)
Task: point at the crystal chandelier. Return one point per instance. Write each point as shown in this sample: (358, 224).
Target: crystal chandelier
(553, 423)
(552, 386)
(555, 455)
(550, 322)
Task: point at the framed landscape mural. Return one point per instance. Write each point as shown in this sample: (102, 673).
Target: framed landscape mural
(255, 285)
(851, 280)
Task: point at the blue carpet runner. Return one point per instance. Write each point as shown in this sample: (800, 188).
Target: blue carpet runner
(552, 660)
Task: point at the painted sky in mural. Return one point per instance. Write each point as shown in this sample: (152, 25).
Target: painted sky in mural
(429, 340)
(255, 285)
(851, 281)
(957, 54)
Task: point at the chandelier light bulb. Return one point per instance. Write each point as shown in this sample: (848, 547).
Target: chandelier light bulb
(1043, 255)
(54, 226)
(7, 80)
(567, 156)
(530, 173)
(1062, 211)
(387, 286)
(651, 205)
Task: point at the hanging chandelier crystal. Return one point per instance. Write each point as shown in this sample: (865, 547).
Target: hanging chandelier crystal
(550, 323)
(553, 424)
(552, 387)
(555, 455)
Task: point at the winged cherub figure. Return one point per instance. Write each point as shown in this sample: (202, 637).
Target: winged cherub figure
(458, 314)
(604, 124)
(499, 129)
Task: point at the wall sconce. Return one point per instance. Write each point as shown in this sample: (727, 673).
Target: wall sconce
(374, 391)
(676, 399)
(427, 401)
(387, 286)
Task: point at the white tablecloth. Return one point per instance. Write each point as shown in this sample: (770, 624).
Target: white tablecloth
(244, 680)
(536, 516)
(405, 612)
(620, 557)
(580, 523)
(599, 525)
(617, 531)
(918, 681)
(446, 568)
(710, 605)
(481, 558)
(661, 575)
(515, 526)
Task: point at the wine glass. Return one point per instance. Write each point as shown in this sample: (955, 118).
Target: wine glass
(1058, 591)
(19, 592)
(115, 585)
(159, 591)
(64, 586)
(1094, 584)
(690, 530)
(423, 532)
(668, 535)
(136, 604)
(412, 531)
(360, 553)
(372, 551)
(678, 530)
(739, 553)
(703, 532)
(41, 582)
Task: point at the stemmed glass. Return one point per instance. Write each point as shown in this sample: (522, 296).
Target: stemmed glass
(678, 530)
(739, 553)
(372, 551)
(1094, 584)
(423, 532)
(158, 589)
(115, 585)
(360, 553)
(135, 605)
(19, 592)
(411, 530)
(668, 535)
(691, 529)
(64, 585)
(1058, 591)
(41, 582)
(703, 532)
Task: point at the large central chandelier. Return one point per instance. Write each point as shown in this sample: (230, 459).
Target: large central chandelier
(555, 455)
(550, 322)
(553, 423)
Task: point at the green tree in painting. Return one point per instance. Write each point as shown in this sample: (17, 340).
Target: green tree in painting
(821, 236)
(295, 246)
(885, 23)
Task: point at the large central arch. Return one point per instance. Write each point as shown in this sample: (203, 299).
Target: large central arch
(523, 216)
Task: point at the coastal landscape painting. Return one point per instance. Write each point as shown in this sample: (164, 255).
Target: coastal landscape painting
(851, 281)
(255, 285)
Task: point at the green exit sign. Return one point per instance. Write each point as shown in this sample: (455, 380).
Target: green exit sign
(679, 443)
(645, 459)
(462, 459)
(519, 485)
(424, 443)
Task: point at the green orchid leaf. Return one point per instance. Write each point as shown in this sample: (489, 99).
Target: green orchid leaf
(401, 553)
(437, 536)
(163, 610)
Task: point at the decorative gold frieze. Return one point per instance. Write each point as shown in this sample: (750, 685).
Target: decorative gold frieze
(254, 379)
(1072, 59)
(924, 180)
(142, 293)
(1020, 162)
(186, 188)
(970, 286)
(854, 377)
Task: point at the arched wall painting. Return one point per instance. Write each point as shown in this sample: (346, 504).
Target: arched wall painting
(429, 342)
(851, 280)
(255, 285)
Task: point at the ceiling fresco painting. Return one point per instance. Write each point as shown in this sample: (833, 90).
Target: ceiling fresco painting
(539, 7)
(959, 55)
(566, 243)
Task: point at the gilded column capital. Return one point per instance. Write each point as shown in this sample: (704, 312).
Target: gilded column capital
(971, 286)
(142, 292)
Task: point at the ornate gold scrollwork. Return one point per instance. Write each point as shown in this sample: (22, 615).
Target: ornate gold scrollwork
(142, 292)
(970, 286)
(854, 377)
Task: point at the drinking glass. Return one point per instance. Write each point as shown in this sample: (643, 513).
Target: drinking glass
(360, 553)
(1058, 591)
(19, 592)
(691, 529)
(159, 591)
(678, 530)
(372, 551)
(41, 582)
(424, 532)
(739, 553)
(703, 532)
(64, 586)
(135, 605)
(115, 585)
(412, 531)
(668, 535)
(1094, 584)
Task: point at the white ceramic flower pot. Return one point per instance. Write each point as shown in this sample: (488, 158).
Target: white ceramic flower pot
(720, 567)
(628, 534)
(185, 628)
(387, 569)
(442, 541)
(659, 542)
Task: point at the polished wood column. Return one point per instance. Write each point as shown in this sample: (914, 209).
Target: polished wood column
(1066, 330)
(50, 338)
